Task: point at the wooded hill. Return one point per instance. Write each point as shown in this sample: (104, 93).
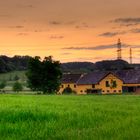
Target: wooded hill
(8, 64)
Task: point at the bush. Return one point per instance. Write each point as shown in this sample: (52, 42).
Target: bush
(17, 87)
(16, 78)
(2, 85)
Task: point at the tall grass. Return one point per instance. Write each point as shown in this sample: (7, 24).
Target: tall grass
(69, 117)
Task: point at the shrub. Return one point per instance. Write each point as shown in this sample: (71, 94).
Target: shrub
(17, 87)
(2, 85)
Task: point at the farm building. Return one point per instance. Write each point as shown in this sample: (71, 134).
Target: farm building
(102, 82)
(69, 81)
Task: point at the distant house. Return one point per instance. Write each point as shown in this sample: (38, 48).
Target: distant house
(99, 82)
(69, 81)
(131, 80)
(103, 82)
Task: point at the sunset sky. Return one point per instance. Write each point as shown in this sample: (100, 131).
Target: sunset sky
(70, 30)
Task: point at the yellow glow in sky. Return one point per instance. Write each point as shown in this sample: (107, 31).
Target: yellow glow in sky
(70, 30)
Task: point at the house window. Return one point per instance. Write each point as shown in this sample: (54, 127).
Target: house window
(93, 86)
(68, 85)
(120, 91)
(81, 91)
(107, 83)
(108, 91)
(62, 86)
(114, 91)
(114, 84)
(103, 91)
(74, 86)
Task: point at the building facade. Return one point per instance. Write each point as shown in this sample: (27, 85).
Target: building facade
(116, 82)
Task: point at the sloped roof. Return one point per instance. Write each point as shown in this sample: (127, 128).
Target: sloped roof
(129, 76)
(70, 78)
(92, 78)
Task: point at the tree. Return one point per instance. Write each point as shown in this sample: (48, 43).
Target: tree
(17, 87)
(44, 75)
(2, 85)
(16, 78)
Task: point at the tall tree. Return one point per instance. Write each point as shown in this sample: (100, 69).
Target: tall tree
(44, 75)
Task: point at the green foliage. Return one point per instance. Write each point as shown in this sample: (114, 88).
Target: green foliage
(44, 75)
(8, 64)
(9, 78)
(2, 84)
(17, 87)
(112, 65)
(16, 78)
(16, 63)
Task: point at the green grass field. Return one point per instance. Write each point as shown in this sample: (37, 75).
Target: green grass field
(36, 117)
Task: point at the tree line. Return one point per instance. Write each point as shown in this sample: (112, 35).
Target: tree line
(8, 64)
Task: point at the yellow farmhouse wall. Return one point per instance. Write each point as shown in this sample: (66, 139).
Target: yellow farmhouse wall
(71, 85)
(109, 90)
(82, 89)
(131, 85)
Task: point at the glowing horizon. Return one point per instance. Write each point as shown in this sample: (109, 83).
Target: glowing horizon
(76, 30)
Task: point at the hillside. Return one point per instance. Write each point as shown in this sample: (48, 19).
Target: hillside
(16, 63)
(20, 63)
(78, 67)
(11, 77)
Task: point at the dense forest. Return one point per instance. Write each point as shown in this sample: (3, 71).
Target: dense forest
(8, 64)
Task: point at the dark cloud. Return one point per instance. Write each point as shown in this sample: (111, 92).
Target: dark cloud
(22, 34)
(127, 21)
(56, 37)
(91, 48)
(25, 6)
(66, 53)
(83, 26)
(62, 23)
(137, 30)
(55, 23)
(101, 47)
(18, 26)
(111, 34)
(74, 23)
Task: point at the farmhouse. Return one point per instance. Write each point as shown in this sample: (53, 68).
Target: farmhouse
(102, 82)
(69, 81)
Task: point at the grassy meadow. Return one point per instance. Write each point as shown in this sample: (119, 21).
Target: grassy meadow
(42, 117)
